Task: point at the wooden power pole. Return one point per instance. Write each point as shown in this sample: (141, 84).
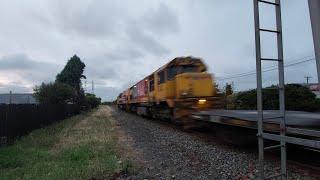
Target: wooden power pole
(314, 8)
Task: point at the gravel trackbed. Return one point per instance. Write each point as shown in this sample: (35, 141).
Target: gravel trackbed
(166, 152)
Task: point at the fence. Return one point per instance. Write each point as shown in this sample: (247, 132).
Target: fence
(19, 119)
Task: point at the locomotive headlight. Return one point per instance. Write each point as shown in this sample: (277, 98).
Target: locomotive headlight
(184, 93)
(202, 101)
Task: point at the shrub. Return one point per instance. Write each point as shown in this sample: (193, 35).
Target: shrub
(297, 97)
(108, 103)
(318, 104)
(55, 93)
(91, 101)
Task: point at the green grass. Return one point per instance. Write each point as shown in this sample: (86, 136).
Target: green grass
(81, 147)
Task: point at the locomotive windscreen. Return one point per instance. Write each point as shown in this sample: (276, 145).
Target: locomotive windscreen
(188, 69)
(175, 70)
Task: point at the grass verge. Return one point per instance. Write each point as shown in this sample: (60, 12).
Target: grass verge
(81, 147)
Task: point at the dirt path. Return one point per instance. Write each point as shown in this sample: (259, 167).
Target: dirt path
(90, 128)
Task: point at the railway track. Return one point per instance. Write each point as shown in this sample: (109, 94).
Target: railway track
(300, 159)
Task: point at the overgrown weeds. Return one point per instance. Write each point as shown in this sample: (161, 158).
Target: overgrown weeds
(81, 147)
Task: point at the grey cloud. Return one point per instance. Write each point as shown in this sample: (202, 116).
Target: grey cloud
(154, 22)
(16, 62)
(122, 41)
(107, 20)
(93, 18)
(106, 66)
(107, 93)
(102, 71)
(145, 41)
(28, 69)
(14, 87)
(161, 20)
(124, 52)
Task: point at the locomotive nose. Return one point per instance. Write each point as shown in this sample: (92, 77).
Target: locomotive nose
(194, 85)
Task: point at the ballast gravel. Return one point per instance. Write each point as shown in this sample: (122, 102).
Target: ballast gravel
(168, 152)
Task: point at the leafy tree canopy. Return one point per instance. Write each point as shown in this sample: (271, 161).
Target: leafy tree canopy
(229, 89)
(72, 73)
(297, 97)
(67, 87)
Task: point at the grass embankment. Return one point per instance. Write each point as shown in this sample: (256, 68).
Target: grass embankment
(82, 147)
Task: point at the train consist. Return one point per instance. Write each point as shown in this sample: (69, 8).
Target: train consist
(183, 92)
(174, 91)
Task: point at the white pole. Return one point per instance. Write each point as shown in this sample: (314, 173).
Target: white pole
(314, 8)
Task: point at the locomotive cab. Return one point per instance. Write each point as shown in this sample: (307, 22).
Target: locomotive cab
(185, 84)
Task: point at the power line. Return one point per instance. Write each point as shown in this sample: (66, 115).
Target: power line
(253, 71)
(270, 68)
(267, 70)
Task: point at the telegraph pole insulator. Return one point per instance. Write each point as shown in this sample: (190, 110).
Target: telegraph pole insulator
(307, 78)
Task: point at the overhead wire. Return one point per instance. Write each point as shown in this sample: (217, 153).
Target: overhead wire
(267, 69)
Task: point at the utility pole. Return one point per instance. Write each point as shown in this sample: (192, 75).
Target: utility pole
(307, 78)
(92, 86)
(85, 86)
(314, 8)
(10, 97)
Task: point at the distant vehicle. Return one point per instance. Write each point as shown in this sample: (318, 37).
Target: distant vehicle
(174, 91)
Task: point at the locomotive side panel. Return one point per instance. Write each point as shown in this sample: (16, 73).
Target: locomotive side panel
(151, 88)
(142, 91)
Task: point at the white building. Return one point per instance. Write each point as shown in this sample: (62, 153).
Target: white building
(315, 88)
(22, 98)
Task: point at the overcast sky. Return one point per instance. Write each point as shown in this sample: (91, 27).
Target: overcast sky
(123, 41)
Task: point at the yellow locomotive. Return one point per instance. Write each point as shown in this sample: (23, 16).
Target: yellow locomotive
(174, 91)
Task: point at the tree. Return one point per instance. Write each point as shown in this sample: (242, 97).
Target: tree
(229, 89)
(71, 75)
(297, 97)
(55, 93)
(67, 87)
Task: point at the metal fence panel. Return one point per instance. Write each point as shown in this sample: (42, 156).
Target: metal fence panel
(19, 119)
